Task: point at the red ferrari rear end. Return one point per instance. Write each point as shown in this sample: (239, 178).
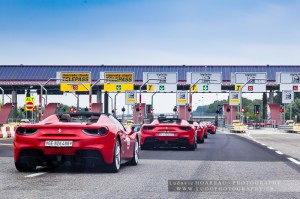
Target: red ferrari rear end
(168, 132)
(212, 129)
(53, 142)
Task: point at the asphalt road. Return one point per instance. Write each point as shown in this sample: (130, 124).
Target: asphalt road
(221, 157)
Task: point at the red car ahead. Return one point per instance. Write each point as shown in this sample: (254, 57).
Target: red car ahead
(212, 129)
(204, 127)
(84, 139)
(169, 132)
(199, 130)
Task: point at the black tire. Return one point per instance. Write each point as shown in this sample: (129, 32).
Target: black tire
(202, 141)
(205, 135)
(193, 146)
(26, 166)
(116, 164)
(198, 140)
(135, 160)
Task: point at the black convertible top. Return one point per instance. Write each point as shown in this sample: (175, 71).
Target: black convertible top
(169, 120)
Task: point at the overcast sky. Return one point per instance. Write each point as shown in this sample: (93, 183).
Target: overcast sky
(160, 32)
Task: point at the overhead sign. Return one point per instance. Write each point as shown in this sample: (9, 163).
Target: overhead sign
(162, 78)
(161, 82)
(117, 77)
(75, 87)
(118, 87)
(74, 81)
(207, 82)
(167, 88)
(288, 81)
(255, 82)
(287, 97)
(130, 97)
(204, 78)
(29, 103)
(74, 77)
(234, 98)
(182, 98)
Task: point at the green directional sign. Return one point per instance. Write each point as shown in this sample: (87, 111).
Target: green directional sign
(161, 87)
(205, 87)
(118, 87)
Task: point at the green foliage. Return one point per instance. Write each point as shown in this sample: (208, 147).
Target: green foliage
(247, 104)
(295, 110)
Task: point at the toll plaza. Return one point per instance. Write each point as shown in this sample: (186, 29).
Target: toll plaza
(184, 81)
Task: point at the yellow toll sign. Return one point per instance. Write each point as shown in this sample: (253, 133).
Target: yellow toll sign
(194, 88)
(150, 87)
(119, 77)
(84, 77)
(118, 87)
(238, 87)
(75, 87)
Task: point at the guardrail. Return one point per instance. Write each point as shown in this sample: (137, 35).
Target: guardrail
(286, 127)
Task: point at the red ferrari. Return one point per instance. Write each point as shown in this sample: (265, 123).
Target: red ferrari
(168, 132)
(84, 139)
(199, 130)
(212, 129)
(204, 127)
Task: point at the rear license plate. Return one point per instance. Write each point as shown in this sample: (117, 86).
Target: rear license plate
(166, 134)
(58, 143)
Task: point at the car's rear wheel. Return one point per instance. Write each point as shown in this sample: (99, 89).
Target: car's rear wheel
(193, 146)
(115, 166)
(135, 160)
(205, 135)
(26, 166)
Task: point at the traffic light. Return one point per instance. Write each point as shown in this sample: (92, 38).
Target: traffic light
(189, 109)
(86, 108)
(243, 110)
(123, 109)
(175, 109)
(228, 109)
(281, 110)
(72, 109)
(137, 109)
(219, 109)
(256, 109)
(34, 109)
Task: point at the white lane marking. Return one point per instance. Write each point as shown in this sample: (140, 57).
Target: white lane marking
(293, 160)
(35, 174)
(279, 152)
(271, 148)
(263, 144)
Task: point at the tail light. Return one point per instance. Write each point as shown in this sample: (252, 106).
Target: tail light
(148, 127)
(100, 131)
(185, 128)
(26, 131)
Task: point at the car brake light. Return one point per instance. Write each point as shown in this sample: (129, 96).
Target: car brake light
(185, 128)
(25, 131)
(100, 131)
(148, 127)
